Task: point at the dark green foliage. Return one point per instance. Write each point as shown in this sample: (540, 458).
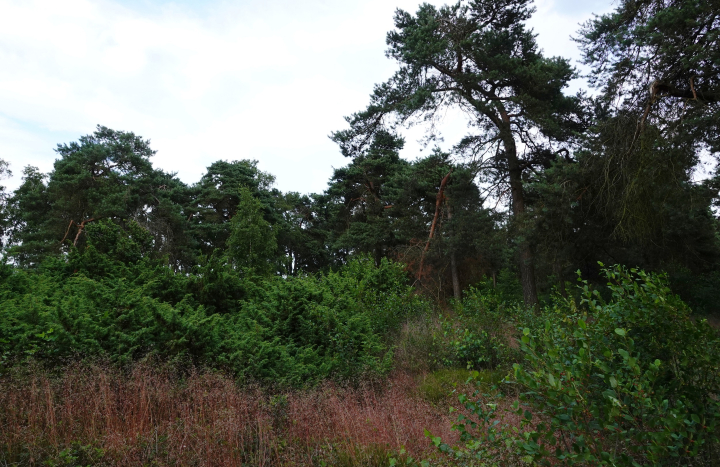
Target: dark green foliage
(25, 215)
(656, 62)
(478, 56)
(252, 242)
(363, 201)
(286, 331)
(384, 206)
(216, 197)
(122, 261)
(302, 233)
(699, 291)
(106, 176)
(662, 57)
(464, 228)
(103, 176)
(636, 206)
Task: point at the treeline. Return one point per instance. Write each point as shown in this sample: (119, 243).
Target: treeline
(545, 184)
(432, 214)
(380, 205)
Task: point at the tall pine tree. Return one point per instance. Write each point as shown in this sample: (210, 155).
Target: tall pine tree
(478, 56)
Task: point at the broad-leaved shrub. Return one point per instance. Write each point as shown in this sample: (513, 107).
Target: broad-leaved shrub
(631, 381)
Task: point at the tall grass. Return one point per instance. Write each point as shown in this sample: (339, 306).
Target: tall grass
(98, 414)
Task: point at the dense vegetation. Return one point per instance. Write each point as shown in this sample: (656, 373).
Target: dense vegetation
(447, 264)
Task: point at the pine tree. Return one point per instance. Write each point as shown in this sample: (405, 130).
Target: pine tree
(477, 56)
(252, 242)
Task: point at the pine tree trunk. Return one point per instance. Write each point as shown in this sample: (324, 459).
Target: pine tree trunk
(455, 279)
(526, 257)
(453, 262)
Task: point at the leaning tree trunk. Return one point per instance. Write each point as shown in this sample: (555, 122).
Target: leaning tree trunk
(438, 203)
(526, 257)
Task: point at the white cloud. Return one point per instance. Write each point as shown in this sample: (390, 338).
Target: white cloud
(226, 80)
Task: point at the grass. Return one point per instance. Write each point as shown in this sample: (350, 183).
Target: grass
(416, 347)
(439, 386)
(94, 414)
(151, 414)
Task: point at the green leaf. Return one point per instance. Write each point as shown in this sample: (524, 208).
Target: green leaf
(613, 382)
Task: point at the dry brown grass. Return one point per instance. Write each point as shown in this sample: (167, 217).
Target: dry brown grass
(147, 416)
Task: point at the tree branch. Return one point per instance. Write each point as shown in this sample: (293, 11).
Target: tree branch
(660, 89)
(438, 202)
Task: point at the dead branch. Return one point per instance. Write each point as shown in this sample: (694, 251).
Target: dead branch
(438, 202)
(81, 228)
(67, 231)
(660, 89)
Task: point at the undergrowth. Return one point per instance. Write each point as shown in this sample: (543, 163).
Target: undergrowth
(630, 381)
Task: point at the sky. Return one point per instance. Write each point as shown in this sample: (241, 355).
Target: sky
(215, 79)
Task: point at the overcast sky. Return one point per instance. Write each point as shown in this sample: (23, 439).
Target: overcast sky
(209, 80)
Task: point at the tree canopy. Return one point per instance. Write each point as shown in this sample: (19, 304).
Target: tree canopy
(543, 184)
(479, 57)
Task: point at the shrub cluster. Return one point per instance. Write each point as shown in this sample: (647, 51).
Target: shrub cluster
(112, 301)
(632, 381)
(479, 332)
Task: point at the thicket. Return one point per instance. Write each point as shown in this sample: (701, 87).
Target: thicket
(631, 380)
(110, 301)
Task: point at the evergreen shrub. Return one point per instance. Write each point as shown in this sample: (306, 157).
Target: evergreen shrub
(111, 301)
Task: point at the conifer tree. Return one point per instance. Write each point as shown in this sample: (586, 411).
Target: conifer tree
(252, 242)
(362, 206)
(106, 175)
(477, 56)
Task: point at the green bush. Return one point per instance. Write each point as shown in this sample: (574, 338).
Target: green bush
(291, 331)
(633, 381)
(477, 336)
